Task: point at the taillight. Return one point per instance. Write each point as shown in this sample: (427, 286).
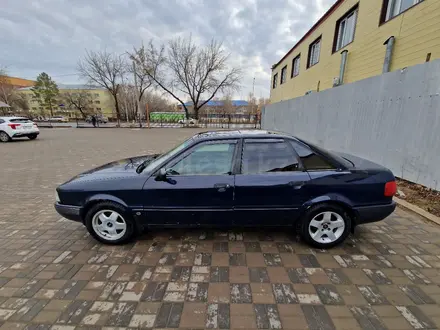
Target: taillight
(14, 126)
(390, 189)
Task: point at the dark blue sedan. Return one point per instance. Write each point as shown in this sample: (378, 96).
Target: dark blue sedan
(232, 178)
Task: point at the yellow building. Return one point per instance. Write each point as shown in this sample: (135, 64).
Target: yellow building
(374, 37)
(98, 100)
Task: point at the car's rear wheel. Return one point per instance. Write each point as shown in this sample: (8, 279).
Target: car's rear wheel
(4, 137)
(32, 137)
(325, 225)
(110, 223)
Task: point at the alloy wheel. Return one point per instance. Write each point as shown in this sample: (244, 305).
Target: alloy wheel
(4, 137)
(326, 227)
(109, 225)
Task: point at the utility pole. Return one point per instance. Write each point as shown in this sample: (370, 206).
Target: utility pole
(253, 87)
(138, 112)
(147, 114)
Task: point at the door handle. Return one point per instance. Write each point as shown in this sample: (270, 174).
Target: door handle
(297, 184)
(222, 186)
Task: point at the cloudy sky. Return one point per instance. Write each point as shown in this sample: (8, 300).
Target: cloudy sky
(51, 35)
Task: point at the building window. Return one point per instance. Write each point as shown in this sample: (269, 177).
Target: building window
(314, 52)
(283, 75)
(96, 95)
(392, 8)
(34, 108)
(98, 109)
(295, 66)
(97, 102)
(275, 81)
(345, 28)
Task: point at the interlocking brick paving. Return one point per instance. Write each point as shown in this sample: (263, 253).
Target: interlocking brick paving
(53, 275)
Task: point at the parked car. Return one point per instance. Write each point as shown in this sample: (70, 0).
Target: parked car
(17, 127)
(188, 122)
(232, 178)
(59, 119)
(99, 119)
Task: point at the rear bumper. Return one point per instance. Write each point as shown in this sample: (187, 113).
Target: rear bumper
(374, 213)
(69, 212)
(27, 133)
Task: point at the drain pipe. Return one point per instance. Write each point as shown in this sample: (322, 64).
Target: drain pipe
(389, 54)
(343, 65)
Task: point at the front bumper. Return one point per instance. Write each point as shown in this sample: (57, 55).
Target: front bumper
(69, 212)
(374, 213)
(25, 133)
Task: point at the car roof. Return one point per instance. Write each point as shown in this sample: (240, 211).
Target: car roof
(251, 133)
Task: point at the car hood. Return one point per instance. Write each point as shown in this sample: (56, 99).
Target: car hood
(116, 169)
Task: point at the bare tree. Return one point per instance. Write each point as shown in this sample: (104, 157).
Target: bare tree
(80, 100)
(197, 73)
(157, 103)
(143, 62)
(106, 70)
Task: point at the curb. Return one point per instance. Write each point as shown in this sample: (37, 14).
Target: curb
(419, 211)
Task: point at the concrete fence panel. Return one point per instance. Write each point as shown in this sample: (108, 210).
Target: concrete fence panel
(392, 119)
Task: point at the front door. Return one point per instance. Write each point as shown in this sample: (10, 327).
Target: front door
(198, 189)
(272, 185)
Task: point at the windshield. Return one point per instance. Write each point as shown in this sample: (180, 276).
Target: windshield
(166, 156)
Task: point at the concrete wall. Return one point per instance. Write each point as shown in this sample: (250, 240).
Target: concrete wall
(417, 33)
(392, 119)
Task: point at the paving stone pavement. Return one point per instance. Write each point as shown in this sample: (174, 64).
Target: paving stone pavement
(53, 275)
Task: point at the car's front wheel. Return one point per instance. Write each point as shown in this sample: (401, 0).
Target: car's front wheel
(110, 223)
(4, 137)
(32, 137)
(325, 226)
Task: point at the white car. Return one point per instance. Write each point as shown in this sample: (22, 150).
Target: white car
(16, 127)
(188, 122)
(59, 119)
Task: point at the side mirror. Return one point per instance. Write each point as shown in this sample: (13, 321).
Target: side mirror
(161, 175)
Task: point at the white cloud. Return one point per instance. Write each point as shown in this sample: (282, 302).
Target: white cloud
(51, 35)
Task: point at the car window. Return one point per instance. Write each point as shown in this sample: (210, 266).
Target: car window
(268, 157)
(207, 159)
(310, 160)
(2, 121)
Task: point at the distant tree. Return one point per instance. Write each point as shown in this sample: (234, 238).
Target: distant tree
(7, 91)
(107, 70)
(197, 73)
(46, 91)
(80, 100)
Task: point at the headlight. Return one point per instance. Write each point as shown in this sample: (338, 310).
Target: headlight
(57, 197)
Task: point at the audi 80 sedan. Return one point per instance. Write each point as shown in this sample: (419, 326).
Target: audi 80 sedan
(232, 179)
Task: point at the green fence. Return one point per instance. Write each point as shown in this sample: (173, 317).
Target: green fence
(166, 117)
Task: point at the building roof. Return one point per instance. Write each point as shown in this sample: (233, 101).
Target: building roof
(235, 103)
(313, 28)
(4, 105)
(64, 86)
(18, 82)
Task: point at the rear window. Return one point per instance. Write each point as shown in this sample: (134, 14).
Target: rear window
(20, 120)
(326, 154)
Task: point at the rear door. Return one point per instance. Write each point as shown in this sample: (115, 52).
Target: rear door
(271, 186)
(199, 190)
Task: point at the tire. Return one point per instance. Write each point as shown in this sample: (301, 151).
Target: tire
(327, 218)
(32, 137)
(4, 137)
(111, 231)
